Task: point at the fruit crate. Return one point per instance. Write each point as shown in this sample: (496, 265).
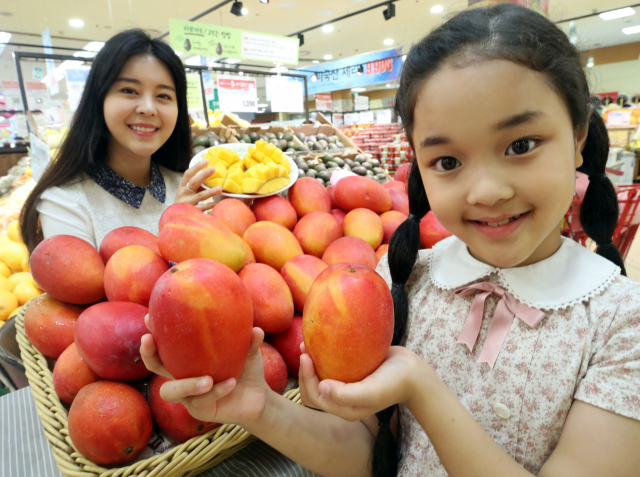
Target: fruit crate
(184, 460)
(328, 130)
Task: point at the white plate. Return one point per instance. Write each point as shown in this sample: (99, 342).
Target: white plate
(242, 149)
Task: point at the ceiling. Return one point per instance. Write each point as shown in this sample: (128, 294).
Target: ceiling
(27, 19)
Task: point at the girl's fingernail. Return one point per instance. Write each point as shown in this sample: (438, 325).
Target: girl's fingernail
(203, 383)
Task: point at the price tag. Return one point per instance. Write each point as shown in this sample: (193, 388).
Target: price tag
(383, 117)
(286, 96)
(324, 102)
(619, 118)
(237, 95)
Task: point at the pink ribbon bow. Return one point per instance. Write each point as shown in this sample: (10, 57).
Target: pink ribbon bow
(508, 307)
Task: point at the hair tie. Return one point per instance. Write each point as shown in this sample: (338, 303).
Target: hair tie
(383, 425)
(598, 176)
(605, 243)
(413, 217)
(398, 285)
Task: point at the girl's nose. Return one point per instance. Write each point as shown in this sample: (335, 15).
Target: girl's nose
(488, 188)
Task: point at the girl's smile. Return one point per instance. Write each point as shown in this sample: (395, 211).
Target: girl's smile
(497, 154)
(143, 129)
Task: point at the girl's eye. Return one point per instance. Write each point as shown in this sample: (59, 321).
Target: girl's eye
(521, 146)
(445, 164)
(128, 91)
(165, 96)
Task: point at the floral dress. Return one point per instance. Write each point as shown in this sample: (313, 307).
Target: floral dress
(574, 334)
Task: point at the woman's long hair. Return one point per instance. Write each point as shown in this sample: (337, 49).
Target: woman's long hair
(87, 140)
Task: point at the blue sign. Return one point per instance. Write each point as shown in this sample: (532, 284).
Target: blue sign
(361, 70)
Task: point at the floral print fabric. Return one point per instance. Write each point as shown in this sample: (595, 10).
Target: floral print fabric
(589, 351)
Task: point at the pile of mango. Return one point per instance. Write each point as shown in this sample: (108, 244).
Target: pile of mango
(263, 170)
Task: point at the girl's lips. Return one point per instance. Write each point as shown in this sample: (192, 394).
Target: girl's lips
(499, 231)
(143, 133)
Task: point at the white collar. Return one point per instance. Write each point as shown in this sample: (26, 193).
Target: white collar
(571, 275)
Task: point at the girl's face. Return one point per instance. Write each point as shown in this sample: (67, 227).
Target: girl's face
(141, 108)
(497, 153)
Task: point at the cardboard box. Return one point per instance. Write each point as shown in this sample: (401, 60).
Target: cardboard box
(221, 131)
(329, 130)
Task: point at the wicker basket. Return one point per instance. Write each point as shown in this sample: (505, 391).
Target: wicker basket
(187, 459)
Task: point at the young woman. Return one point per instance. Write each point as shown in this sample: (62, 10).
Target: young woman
(516, 352)
(128, 145)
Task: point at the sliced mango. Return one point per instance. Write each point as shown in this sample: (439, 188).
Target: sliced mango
(214, 182)
(251, 186)
(274, 185)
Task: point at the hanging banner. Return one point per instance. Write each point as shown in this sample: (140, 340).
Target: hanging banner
(76, 79)
(286, 95)
(54, 88)
(237, 95)
(324, 102)
(222, 42)
(362, 70)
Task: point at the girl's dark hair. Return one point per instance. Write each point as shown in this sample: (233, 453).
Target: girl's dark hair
(88, 137)
(522, 36)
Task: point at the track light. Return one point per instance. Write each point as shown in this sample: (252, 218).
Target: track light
(390, 11)
(236, 8)
(264, 1)
(301, 39)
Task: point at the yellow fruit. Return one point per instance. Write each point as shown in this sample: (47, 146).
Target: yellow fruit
(274, 185)
(6, 284)
(251, 186)
(25, 291)
(26, 267)
(8, 303)
(13, 231)
(12, 253)
(4, 270)
(21, 277)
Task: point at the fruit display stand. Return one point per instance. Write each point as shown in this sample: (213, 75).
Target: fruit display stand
(328, 130)
(188, 459)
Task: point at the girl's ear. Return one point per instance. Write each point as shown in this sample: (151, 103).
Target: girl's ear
(580, 141)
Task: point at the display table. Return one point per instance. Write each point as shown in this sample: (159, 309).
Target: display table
(25, 451)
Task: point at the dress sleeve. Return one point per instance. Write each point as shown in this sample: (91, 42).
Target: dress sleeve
(612, 381)
(60, 214)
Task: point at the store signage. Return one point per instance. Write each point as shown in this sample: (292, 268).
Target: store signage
(324, 102)
(12, 98)
(237, 95)
(361, 70)
(222, 42)
(366, 117)
(54, 88)
(37, 95)
(619, 118)
(383, 116)
(286, 95)
(194, 92)
(351, 119)
(539, 5)
(76, 79)
(361, 103)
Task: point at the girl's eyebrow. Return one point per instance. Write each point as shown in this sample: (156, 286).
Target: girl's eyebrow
(518, 119)
(135, 81)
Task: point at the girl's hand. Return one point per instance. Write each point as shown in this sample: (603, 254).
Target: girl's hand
(239, 402)
(390, 384)
(191, 190)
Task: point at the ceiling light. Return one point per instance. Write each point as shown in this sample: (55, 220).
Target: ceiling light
(327, 28)
(388, 85)
(240, 73)
(620, 13)
(388, 41)
(279, 69)
(264, 1)
(590, 62)
(315, 61)
(301, 39)
(76, 23)
(390, 11)
(358, 90)
(314, 78)
(328, 57)
(437, 9)
(245, 11)
(232, 61)
(236, 8)
(631, 30)
(5, 37)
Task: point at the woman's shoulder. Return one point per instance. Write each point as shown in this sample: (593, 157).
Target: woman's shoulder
(70, 190)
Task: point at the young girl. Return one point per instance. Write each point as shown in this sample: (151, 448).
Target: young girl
(521, 349)
(127, 148)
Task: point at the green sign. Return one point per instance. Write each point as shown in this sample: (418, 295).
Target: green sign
(215, 102)
(194, 92)
(217, 41)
